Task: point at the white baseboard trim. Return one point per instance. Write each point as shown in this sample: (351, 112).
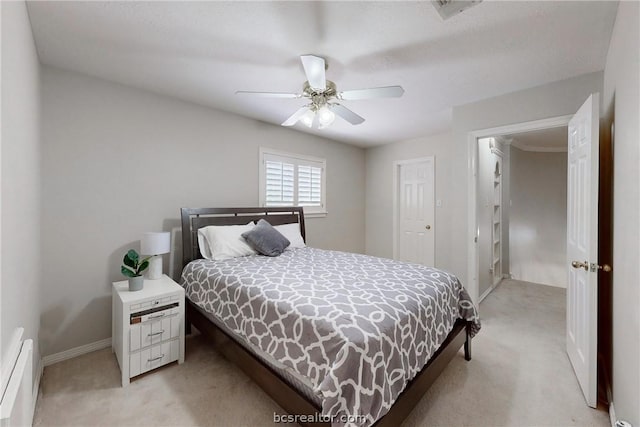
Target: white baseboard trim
(36, 387)
(612, 415)
(75, 352)
(615, 422)
(485, 294)
(488, 291)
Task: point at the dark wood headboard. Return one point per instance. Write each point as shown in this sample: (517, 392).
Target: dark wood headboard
(196, 218)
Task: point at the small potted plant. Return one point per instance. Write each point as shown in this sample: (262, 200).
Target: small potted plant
(133, 268)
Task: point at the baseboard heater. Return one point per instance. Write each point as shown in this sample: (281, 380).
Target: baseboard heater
(16, 406)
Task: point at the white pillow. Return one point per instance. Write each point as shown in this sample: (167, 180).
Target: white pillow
(219, 242)
(292, 233)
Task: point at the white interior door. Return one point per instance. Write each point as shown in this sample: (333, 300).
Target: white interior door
(582, 246)
(415, 210)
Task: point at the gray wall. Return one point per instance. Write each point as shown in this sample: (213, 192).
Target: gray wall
(379, 194)
(538, 217)
(21, 148)
(621, 101)
(119, 161)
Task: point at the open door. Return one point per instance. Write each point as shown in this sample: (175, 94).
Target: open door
(582, 246)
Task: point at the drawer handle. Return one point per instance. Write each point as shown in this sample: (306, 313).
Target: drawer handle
(156, 316)
(156, 333)
(155, 358)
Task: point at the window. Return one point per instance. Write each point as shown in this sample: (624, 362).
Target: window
(292, 180)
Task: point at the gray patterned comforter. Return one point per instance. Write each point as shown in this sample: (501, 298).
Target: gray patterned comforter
(358, 327)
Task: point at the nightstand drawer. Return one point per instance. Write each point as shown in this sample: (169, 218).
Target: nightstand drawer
(154, 303)
(153, 357)
(149, 333)
(154, 332)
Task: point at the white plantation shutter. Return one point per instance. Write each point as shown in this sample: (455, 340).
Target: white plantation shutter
(279, 183)
(292, 180)
(309, 185)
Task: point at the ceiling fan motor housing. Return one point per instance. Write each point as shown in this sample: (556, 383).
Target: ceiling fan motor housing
(319, 97)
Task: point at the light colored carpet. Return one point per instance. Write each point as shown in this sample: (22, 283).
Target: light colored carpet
(519, 376)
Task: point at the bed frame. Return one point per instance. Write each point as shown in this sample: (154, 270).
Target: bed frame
(282, 393)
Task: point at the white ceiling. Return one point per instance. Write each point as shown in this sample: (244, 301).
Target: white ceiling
(204, 51)
(554, 139)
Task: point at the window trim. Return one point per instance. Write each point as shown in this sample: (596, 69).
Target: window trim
(315, 212)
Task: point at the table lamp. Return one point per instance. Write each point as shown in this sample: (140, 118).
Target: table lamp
(155, 244)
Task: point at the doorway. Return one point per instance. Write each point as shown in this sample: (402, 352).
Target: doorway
(472, 188)
(522, 211)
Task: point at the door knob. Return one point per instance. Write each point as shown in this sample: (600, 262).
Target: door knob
(578, 264)
(428, 227)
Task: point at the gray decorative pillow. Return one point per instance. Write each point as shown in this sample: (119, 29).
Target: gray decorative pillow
(265, 239)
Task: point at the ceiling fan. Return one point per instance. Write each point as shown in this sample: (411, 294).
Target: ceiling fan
(323, 96)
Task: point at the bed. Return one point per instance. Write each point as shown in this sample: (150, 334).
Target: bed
(334, 338)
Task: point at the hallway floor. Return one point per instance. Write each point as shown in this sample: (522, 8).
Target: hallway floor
(520, 374)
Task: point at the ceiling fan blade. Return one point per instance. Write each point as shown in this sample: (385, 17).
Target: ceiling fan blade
(269, 94)
(314, 69)
(293, 119)
(346, 114)
(374, 92)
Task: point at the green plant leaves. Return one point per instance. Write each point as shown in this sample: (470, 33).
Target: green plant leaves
(143, 266)
(133, 255)
(127, 272)
(132, 265)
(128, 261)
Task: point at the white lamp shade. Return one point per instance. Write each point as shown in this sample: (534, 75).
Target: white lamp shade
(307, 118)
(155, 243)
(325, 116)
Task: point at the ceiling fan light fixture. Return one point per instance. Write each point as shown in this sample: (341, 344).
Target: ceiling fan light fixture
(325, 116)
(307, 118)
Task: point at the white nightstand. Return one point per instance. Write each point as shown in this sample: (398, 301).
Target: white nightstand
(147, 326)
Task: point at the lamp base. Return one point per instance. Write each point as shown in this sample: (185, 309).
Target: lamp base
(155, 268)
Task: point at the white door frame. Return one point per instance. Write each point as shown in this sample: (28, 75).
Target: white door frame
(396, 205)
(473, 268)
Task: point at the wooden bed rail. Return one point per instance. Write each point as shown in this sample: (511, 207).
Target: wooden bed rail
(294, 403)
